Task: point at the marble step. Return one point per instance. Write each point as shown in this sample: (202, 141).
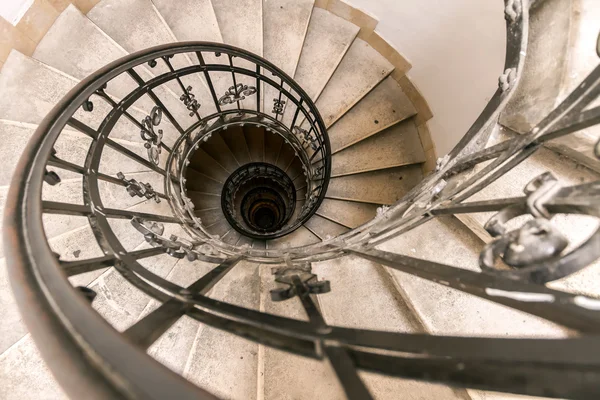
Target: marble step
(347, 213)
(225, 364)
(241, 23)
(199, 182)
(205, 164)
(366, 298)
(383, 107)
(396, 146)
(361, 69)
(236, 141)
(285, 25)
(190, 20)
(299, 237)
(219, 151)
(327, 40)
(255, 138)
(384, 186)
(136, 25)
(324, 228)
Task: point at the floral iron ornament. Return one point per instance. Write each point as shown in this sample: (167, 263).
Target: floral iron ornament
(235, 93)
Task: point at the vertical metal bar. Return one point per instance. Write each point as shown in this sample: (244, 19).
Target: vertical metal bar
(344, 368)
(258, 85)
(296, 115)
(138, 79)
(181, 85)
(208, 81)
(235, 88)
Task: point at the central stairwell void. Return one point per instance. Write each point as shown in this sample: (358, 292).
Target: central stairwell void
(237, 199)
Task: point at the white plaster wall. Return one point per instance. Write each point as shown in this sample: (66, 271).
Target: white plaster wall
(13, 10)
(456, 48)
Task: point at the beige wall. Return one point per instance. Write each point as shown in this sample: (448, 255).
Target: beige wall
(456, 48)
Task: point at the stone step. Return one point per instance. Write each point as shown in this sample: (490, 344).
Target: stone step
(77, 47)
(327, 40)
(219, 151)
(13, 328)
(225, 364)
(347, 213)
(446, 311)
(24, 79)
(255, 138)
(220, 228)
(204, 201)
(361, 69)
(273, 145)
(384, 186)
(396, 146)
(190, 20)
(208, 166)
(24, 375)
(367, 299)
(324, 228)
(299, 237)
(236, 141)
(286, 157)
(210, 217)
(199, 182)
(285, 25)
(174, 346)
(232, 237)
(241, 23)
(136, 25)
(308, 379)
(383, 107)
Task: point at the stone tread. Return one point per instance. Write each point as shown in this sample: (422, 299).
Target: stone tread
(136, 25)
(378, 187)
(299, 237)
(199, 182)
(285, 26)
(255, 138)
(219, 151)
(361, 69)
(394, 147)
(205, 164)
(384, 106)
(348, 213)
(241, 23)
(225, 364)
(273, 145)
(367, 299)
(448, 311)
(209, 217)
(203, 201)
(236, 141)
(324, 228)
(190, 20)
(327, 40)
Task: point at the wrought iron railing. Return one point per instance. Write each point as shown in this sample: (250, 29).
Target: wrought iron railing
(77, 342)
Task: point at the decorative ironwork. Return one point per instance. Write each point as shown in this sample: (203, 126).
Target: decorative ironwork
(278, 106)
(135, 188)
(188, 99)
(153, 139)
(506, 79)
(306, 137)
(512, 10)
(236, 93)
(296, 277)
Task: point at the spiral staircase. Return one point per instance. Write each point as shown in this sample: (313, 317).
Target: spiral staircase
(239, 199)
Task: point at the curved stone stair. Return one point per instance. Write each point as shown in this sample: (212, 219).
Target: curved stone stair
(378, 151)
